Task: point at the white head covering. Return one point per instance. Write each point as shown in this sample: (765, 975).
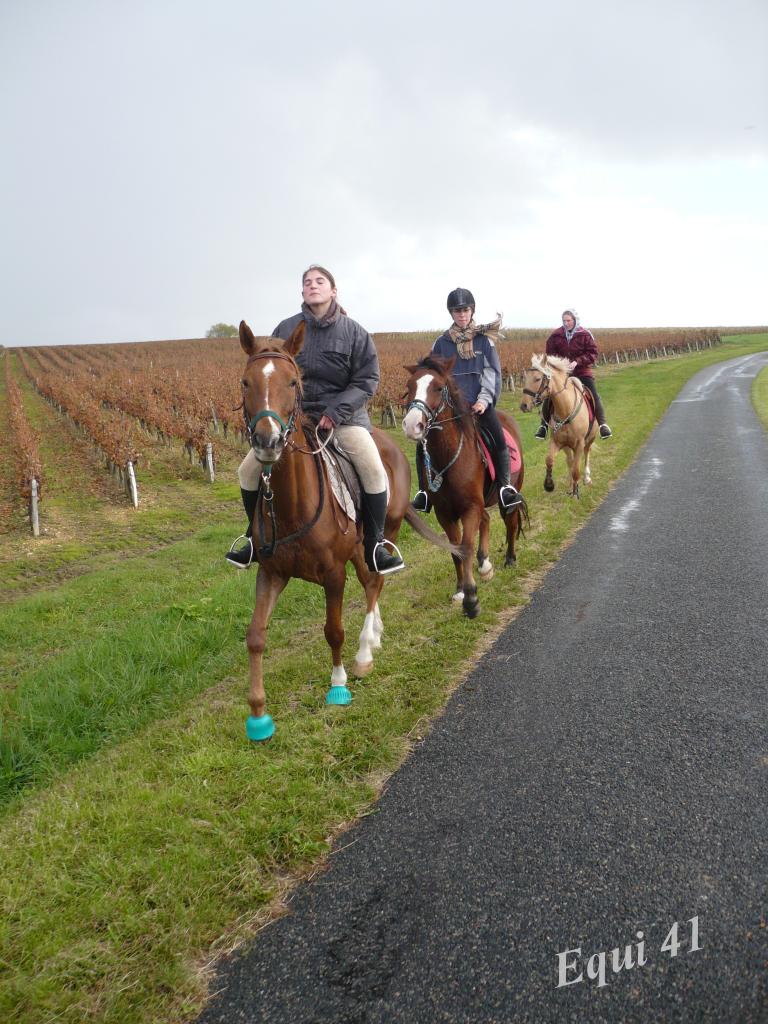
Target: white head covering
(575, 315)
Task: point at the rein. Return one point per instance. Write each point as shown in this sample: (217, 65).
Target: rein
(559, 424)
(267, 549)
(435, 480)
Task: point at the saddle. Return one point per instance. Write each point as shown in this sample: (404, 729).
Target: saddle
(487, 446)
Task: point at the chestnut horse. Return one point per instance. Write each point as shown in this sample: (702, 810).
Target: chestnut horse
(299, 530)
(438, 418)
(573, 426)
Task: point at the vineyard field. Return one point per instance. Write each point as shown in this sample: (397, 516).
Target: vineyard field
(86, 418)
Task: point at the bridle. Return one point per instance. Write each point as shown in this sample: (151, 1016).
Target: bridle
(267, 549)
(435, 480)
(537, 396)
(546, 380)
(285, 428)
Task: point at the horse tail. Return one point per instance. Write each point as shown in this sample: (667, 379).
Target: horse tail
(438, 539)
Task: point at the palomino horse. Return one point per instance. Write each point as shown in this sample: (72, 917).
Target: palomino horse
(301, 531)
(572, 423)
(438, 418)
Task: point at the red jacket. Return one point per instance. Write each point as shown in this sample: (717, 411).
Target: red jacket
(582, 348)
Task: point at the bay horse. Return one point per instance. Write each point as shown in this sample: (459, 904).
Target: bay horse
(572, 423)
(439, 419)
(302, 532)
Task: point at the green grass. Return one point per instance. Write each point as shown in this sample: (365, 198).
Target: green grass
(141, 832)
(760, 396)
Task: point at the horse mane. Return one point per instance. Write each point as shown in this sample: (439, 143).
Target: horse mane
(559, 363)
(466, 420)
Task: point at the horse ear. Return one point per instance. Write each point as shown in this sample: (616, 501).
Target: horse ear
(296, 340)
(572, 364)
(536, 362)
(450, 363)
(247, 340)
(412, 369)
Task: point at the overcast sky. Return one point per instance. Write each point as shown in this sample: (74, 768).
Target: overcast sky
(168, 165)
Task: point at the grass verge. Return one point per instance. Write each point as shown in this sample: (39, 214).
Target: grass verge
(150, 834)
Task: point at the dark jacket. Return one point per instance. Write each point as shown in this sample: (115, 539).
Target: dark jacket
(582, 348)
(339, 368)
(477, 377)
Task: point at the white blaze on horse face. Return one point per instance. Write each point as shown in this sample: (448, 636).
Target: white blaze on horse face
(414, 421)
(269, 369)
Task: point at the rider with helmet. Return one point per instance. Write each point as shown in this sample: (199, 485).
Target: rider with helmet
(575, 343)
(340, 373)
(477, 372)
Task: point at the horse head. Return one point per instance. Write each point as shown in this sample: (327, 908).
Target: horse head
(430, 388)
(271, 384)
(539, 376)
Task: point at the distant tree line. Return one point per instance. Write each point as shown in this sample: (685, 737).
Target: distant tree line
(221, 331)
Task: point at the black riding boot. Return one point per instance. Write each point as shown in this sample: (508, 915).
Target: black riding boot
(605, 430)
(243, 557)
(421, 500)
(509, 496)
(378, 557)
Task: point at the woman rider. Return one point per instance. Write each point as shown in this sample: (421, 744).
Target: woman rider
(575, 343)
(340, 373)
(477, 372)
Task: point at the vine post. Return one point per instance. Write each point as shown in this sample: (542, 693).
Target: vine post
(34, 514)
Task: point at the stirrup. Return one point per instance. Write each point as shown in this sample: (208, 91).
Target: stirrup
(421, 501)
(238, 558)
(515, 500)
(605, 431)
(396, 554)
(541, 433)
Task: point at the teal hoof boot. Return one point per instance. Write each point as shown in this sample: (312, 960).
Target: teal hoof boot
(338, 695)
(258, 729)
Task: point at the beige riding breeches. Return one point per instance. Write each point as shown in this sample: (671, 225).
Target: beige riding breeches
(356, 442)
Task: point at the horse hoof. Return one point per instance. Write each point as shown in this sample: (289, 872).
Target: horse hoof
(338, 695)
(259, 729)
(458, 596)
(361, 669)
(487, 575)
(549, 485)
(472, 610)
(509, 561)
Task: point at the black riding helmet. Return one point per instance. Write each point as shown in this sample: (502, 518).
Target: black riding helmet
(461, 297)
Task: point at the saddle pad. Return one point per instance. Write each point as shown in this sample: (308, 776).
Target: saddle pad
(515, 462)
(343, 480)
(590, 403)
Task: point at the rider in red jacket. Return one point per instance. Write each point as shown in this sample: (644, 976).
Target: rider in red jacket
(575, 343)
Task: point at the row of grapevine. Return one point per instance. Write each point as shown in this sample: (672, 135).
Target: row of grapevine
(111, 433)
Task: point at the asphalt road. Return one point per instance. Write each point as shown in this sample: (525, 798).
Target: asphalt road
(602, 772)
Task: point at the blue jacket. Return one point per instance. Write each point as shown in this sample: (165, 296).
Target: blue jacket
(479, 377)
